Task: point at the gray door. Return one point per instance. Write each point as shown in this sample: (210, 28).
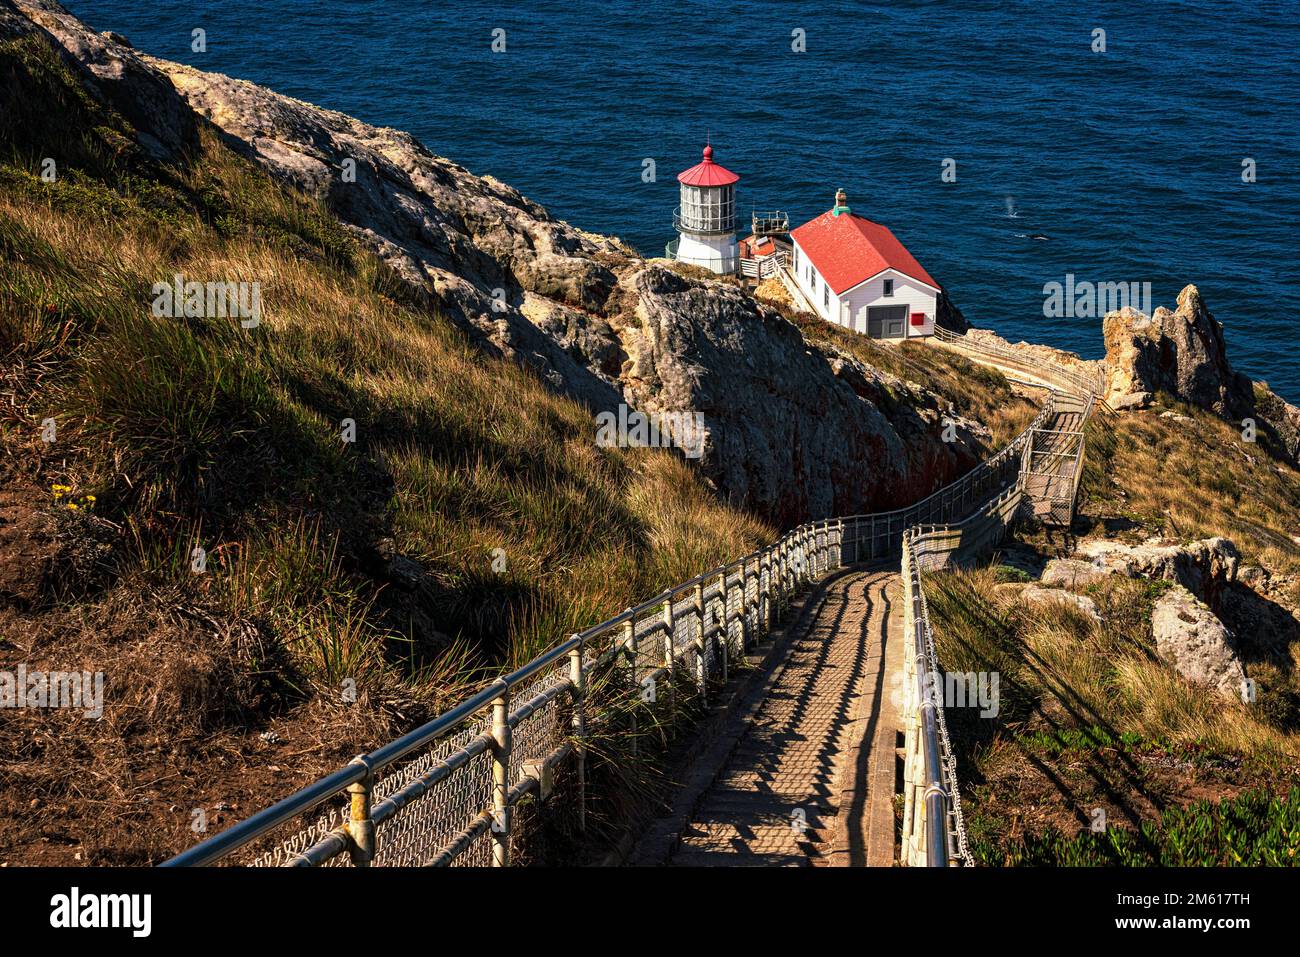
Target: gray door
(886, 322)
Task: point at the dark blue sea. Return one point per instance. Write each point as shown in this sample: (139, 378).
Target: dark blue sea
(1128, 161)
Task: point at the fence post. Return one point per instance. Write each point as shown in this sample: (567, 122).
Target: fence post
(698, 601)
(701, 665)
(744, 606)
(629, 642)
(501, 743)
(361, 829)
(765, 590)
(670, 651)
(579, 724)
(724, 623)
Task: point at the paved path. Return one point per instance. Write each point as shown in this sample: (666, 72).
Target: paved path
(820, 747)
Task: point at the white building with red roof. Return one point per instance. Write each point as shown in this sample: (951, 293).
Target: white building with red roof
(855, 273)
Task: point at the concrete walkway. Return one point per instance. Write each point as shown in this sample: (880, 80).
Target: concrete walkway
(810, 780)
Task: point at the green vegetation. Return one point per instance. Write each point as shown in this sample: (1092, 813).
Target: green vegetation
(1009, 573)
(1060, 741)
(1252, 830)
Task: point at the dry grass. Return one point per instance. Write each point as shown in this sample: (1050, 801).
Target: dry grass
(1090, 717)
(198, 432)
(976, 391)
(1194, 479)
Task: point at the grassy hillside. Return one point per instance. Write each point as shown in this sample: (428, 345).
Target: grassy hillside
(1184, 472)
(329, 565)
(349, 589)
(1092, 721)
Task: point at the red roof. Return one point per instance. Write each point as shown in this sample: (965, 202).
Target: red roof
(707, 173)
(752, 247)
(848, 250)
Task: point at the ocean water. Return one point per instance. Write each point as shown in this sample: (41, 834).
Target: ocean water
(1129, 161)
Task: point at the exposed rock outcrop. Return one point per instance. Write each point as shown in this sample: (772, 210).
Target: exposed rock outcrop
(1195, 642)
(784, 424)
(1203, 567)
(1282, 417)
(1254, 577)
(1180, 352)
(947, 315)
(1072, 573)
(167, 126)
(793, 431)
(1130, 400)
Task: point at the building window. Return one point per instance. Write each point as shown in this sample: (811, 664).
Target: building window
(796, 257)
(889, 287)
(826, 297)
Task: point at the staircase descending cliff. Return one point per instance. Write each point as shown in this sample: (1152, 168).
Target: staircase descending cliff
(808, 778)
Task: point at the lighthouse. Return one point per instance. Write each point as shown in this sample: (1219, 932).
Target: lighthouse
(706, 219)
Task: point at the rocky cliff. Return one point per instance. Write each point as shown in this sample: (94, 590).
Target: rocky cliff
(791, 429)
(1182, 353)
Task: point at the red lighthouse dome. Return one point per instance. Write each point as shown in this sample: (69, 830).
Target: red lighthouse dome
(707, 173)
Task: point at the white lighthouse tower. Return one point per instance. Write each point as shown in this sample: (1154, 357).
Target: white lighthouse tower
(706, 219)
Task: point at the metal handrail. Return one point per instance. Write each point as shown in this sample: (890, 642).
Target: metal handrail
(769, 222)
(719, 225)
(788, 562)
(933, 827)
(1068, 379)
(775, 572)
(930, 771)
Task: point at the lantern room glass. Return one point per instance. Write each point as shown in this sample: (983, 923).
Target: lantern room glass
(708, 209)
